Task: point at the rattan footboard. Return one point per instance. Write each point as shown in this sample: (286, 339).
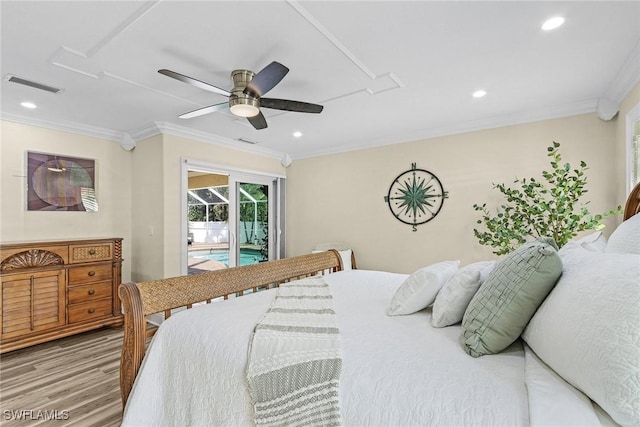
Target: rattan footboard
(142, 299)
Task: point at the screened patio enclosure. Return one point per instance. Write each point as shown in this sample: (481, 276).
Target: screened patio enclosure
(208, 215)
(230, 218)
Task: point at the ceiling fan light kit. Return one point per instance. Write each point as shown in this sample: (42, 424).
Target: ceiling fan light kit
(244, 106)
(245, 99)
(240, 103)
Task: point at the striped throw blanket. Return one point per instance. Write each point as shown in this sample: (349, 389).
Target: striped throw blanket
(295, 358)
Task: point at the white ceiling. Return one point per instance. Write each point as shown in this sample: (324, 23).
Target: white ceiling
(385, 71)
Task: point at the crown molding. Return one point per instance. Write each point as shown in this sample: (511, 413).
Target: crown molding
(92, 131)
(147, 131)
(627, 78)
(152, 129)
(156, 128)
(557, 112)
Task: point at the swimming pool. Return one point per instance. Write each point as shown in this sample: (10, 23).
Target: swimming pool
(247, 256)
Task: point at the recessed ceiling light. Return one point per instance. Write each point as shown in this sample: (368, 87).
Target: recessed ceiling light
(479, 93)
(297, 134)
(29, 105)
(552, 23)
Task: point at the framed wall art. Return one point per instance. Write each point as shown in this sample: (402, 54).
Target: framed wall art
(60, 183)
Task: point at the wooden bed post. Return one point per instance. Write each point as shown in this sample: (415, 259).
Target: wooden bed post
(133, 347)
(632, 206)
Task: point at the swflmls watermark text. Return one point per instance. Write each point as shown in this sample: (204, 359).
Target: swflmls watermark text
(35, 414)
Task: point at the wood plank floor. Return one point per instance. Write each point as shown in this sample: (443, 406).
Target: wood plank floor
(78, 374)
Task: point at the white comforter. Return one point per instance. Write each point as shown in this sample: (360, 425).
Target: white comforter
(397, 371)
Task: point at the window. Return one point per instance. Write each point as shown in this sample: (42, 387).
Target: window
(633, 147)
(635, 156)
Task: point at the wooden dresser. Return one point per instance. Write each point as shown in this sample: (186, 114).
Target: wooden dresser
(54, 289)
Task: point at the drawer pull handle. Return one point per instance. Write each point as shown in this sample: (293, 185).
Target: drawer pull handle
(92, 273)
(92, 310)
(92, 251)
(92, 291)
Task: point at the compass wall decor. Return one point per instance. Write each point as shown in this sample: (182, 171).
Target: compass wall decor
(415, 196)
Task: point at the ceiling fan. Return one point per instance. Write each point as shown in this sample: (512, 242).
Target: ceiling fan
(245, 99)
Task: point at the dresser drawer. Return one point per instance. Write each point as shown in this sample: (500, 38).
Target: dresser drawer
(15, 258)
(90, 274)
(90, 252)
(86, 293)
(90, 310)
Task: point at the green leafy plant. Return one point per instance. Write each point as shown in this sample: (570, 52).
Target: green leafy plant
(264, 244)
(551, 208)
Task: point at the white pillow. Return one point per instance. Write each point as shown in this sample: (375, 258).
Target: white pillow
(595, 242)
(419, 290)
(553, 401)
(588, 329)
(625, 239)
(346, 259)
(454, 297)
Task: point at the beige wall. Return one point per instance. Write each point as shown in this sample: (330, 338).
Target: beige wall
(340, 198)
(147, 214)
(113, 166)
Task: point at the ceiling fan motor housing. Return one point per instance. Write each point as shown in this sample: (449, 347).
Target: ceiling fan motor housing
(240, 103)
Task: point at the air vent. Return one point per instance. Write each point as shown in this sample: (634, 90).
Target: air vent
(34, 85)
(248, 141)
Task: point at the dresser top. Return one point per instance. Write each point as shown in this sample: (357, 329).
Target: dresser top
(35, 243)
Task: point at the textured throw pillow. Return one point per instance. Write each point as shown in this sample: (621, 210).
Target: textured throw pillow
(455, 295)
(420, 289)
(625, 239)
(502, 307)
(588, 329)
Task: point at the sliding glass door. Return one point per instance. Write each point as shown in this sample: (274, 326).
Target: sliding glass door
(208, 235)
(232, 218)
(254, 220)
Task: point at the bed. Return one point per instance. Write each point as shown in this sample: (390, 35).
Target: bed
(576, 360)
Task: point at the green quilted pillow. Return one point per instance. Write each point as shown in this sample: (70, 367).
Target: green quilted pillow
(506, 301)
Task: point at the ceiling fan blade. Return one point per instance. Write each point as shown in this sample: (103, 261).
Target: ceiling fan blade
(289, 105)
(266, 79)
(194, 82)
(258, 121)
(205, 110)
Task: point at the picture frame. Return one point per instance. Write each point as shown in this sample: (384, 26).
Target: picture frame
(60, 183)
